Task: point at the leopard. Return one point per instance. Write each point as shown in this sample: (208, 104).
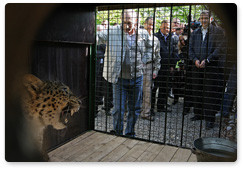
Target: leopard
(47, 103)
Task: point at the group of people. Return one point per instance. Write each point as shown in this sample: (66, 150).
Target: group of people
(137, 63)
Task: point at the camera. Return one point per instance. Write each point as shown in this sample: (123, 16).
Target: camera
(193, 25)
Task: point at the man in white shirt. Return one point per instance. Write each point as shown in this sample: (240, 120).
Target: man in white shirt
(205, 50)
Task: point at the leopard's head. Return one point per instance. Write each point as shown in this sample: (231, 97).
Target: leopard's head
(50, 101)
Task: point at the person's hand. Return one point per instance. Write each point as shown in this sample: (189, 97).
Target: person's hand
(202, 65)
(154, 75)
(197, 63)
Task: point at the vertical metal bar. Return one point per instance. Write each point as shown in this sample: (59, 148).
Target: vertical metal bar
(122, 33)
(187, 53)
(168, 73)
(92, 77)
(204, 77)
(200, 130)
(222, 101)
(150, 123)
(135, 72)
(107, 83)
(195, 9)
(92, 89)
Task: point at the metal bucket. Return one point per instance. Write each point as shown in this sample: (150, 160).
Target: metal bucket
(215, 150)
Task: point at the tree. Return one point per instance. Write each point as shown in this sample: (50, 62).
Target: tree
(161, 13)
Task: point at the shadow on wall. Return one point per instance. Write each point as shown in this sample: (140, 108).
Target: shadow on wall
(21, 24)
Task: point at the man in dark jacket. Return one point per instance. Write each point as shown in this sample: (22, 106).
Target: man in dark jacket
(169, 57)
(205, 51)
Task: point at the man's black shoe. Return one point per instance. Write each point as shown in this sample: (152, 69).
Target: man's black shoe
(113, 132)
(130, 135)
(196, 117)
(209, 125)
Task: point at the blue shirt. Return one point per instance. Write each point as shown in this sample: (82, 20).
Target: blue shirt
(164, 35)
(131, 39)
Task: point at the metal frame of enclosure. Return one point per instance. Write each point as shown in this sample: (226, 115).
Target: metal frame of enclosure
(216, 85)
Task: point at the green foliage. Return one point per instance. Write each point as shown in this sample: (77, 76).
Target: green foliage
(114, 16)
(161, 13)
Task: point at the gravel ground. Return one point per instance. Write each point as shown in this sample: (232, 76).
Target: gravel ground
(170, 128)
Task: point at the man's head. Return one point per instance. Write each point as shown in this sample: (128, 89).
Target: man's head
(175, 23)
(204, 19)
(178, 31)
(165, 27)
(129, 20)
(104, 24)
(148, 24)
